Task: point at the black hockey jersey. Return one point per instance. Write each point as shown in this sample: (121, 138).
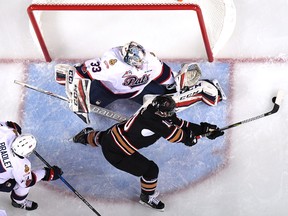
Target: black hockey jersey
(146, 127)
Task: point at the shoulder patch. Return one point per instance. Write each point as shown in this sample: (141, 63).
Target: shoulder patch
(112, 61)
(106, 64)
(26, 169)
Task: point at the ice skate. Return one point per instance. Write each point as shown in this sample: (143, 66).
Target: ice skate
(27, 205)
(152, 201)
(81, 137)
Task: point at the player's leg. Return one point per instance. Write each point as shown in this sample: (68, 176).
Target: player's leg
(100, 96)
(18, 197)
(137, 165)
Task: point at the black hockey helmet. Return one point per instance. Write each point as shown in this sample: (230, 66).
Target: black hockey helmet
(164, 105)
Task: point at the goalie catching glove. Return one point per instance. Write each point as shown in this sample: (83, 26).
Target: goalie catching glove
(188, 76)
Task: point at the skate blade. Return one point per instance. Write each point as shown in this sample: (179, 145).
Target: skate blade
(145, 204)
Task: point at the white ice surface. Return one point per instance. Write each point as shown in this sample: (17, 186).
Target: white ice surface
(255, 182)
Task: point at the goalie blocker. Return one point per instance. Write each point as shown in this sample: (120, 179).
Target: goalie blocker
(77, 90)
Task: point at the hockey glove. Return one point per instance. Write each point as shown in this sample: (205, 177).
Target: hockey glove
(14, 126)
(52, 173)
(210, 128)
(191, 140)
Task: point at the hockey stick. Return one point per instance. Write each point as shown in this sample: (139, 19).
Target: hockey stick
(41, 90)
(83, 116)
(95, 109)
(276, 100)
(67, 184)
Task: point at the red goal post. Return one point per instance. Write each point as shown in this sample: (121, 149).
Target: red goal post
(122, 7)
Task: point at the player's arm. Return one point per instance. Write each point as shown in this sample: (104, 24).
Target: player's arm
(164, 72)
(26, 177)
(89, 69)
(192, 130)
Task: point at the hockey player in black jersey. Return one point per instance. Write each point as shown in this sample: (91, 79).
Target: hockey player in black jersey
(121, 142)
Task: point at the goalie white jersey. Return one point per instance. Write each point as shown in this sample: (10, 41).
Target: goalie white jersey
(131, 72)
(121, 78)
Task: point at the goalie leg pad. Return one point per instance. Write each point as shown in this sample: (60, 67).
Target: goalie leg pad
(210, 94)
(203, 91)
(80, 100)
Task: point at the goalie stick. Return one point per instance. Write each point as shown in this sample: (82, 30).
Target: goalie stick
(67, 184)
(93, 108)
(276, 100)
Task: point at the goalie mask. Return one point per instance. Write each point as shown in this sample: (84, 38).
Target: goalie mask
(24, 145)
(133, 54)
(164, 105)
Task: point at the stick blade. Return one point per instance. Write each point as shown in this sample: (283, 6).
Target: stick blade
(279, 97)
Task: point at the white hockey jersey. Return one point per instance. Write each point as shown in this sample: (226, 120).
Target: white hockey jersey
(12, 166)
(121, 78)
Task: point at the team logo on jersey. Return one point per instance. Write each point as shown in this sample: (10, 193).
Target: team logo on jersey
(127, 73)
(26, 168)
(134, 81)
(112, 61)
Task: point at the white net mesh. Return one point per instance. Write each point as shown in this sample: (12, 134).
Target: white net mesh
(219, 17)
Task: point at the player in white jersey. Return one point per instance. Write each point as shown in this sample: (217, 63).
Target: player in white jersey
(16, 175)
(130, 71)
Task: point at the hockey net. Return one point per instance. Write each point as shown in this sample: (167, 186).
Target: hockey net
(172, 29)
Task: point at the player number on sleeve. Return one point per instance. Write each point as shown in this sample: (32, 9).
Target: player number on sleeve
(95, 66)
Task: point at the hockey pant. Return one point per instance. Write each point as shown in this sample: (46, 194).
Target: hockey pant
(135, 164)
(101, 96)
(18, 193)
(8, 185)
